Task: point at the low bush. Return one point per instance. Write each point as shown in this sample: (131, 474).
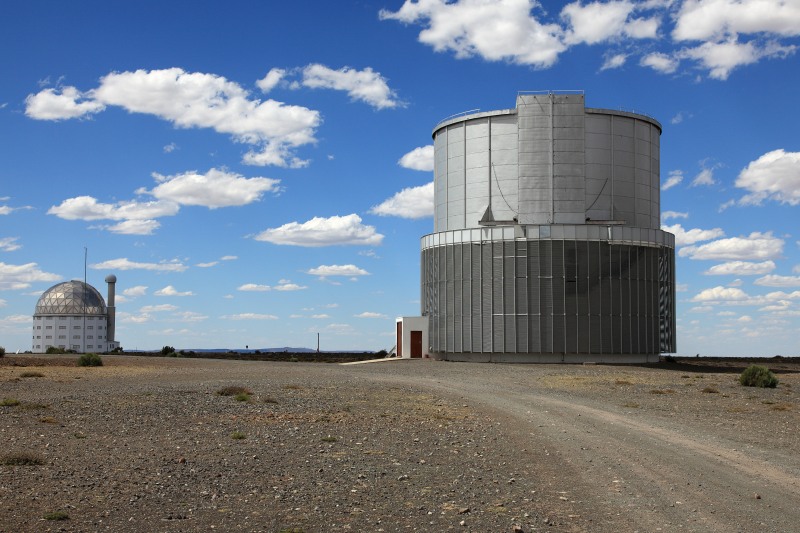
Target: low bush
(2, 351)
(9, 402)
(55, 350)
(758, 376)
(234, 390)
(56, 515)
(167, 350)
(238, 435)
(90, 359)
(31, 374)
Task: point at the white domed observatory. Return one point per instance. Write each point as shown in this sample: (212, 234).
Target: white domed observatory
(547, 244)
(73, 316)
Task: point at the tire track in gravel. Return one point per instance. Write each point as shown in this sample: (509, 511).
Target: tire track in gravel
(634, 471)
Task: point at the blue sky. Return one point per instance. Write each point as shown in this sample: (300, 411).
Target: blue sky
(256, 173)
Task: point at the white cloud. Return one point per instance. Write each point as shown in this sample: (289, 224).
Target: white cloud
(496, 31)
(189, 316)
(722, 57)
(253, 287)
(214, 189)
(418, 159)
(126, 264)
(614, 61)
(597, 22)
(322, 316)
(680, 117)
(660, 62)
(412, 202)
(667, 215)
(286, 286)
(741, 268)
(773, 176)
(229, 258)
(368, 314)
(718, 294)
(134, 227)
(774, 280)
(68, 103)
(169, 290)
(336, 230)
(192, 100)
(136, 291)
(207, 265)
(756, 246)
(15, 277)
(705, 177)
(9, 244)
(162, 308)
(685, 237)
(250, 316)
(88, 208)
(273, 77)
(171, 147)
(700, 20)
(675, 177)
(365, 85)
(325, 271)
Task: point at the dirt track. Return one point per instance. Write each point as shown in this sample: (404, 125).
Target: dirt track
(145, 445)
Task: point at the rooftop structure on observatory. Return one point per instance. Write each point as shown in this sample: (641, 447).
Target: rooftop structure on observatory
(547, 244)
(73, 316)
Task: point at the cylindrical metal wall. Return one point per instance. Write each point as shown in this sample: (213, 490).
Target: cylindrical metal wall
(547, 244)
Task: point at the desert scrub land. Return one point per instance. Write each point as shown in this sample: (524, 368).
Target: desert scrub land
(181, 444)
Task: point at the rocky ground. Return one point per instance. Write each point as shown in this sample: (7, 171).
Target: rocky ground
(151, 444)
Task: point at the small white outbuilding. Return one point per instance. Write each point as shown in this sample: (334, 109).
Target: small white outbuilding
(412, 337)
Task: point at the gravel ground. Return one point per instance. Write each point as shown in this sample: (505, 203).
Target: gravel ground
(147, 445)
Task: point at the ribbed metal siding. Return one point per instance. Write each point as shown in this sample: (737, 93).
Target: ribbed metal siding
(549, 296)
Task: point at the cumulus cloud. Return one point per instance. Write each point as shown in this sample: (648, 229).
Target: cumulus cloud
(147, 309)
(207, 265)
(88, 208)
(191, 100)
(418, 159)
(700, 20)
(412, 202)
(336, 230)
(667, 215)
(287, 286)
(133, 227)
(253, 287)
(704, 32)
(717, 294)
(273, 77)
(597, 22)
(660, 62)
(214, 189)
(365, 85)
(125, 264)
(756, 246)
(675, 177)
(169, 290)
(614, 61)
(325, 271)
(368, 314)
(135, 291)
(686, 237)
(741, 268)
(250, 316)
(496, 31)
(774, 280)
(66, 103)
(15, 277)
(9, 244)
(773, 176)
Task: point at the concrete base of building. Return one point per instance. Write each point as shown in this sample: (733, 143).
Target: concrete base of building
(547, 358)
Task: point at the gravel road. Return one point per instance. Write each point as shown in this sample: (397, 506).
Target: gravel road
(149, 445)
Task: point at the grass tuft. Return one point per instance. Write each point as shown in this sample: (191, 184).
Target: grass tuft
(238, 435)
(9, 402)
(234, 390)
(31, 374)
(710, 390)
(21, 459)
(56, 515)
(329, 439)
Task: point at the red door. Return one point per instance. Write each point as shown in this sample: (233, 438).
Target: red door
(416, 344)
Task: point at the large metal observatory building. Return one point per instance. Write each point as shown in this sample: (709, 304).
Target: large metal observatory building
(547, 244)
